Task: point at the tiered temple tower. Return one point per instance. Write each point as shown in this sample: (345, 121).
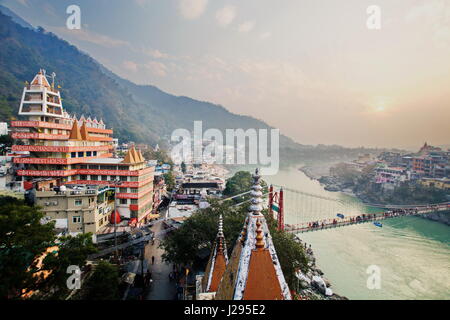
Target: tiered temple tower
(217, 262)
(66, 150)
(254, 272)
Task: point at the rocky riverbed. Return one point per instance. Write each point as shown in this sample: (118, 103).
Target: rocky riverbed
(442, 217)
(314, 285)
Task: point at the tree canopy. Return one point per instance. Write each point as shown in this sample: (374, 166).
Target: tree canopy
(199, 231)
(240, 182)
(23, 238)
(71, 251)
(104, 283)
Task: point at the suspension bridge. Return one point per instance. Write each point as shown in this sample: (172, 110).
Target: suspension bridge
(307, 212)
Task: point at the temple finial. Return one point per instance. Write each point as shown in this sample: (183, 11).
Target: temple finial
(220, 236)
(259, 235)
(256, 208)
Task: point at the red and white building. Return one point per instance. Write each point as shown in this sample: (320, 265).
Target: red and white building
(67, 150)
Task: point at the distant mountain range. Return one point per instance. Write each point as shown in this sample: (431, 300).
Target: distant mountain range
(140, 113)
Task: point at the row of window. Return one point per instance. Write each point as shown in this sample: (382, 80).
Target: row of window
(125, 201)
(82, 154)
(102, 167)
(105, 178)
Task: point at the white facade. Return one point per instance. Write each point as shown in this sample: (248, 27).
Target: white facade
(3, 128)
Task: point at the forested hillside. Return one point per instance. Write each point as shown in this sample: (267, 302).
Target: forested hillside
(135, 112)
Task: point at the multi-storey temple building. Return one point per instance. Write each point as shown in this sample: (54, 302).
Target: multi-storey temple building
(66, 150)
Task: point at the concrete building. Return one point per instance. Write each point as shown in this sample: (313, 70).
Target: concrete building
(390, 177)
(442, 183)
(3, 128)
(78, 209)
(73, 150)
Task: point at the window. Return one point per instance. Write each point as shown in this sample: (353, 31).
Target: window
(133, 190)
(134, 201)
(123, 201)
(123, 190)
(93, 177)
(80, 154)
(88, 153)
(73, 154)
(94, 153)
(123, 178)
(104, 178)
(78, 202)
(76, 219)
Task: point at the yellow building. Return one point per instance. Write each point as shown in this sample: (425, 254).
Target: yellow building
(442, 184)
(78, 209)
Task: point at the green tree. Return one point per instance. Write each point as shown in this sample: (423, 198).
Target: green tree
(200, 230)
(104, 283)
(240, 182)
(23, 239)
(162, 156)
(292, 255)
(169, 180)
(72, 251)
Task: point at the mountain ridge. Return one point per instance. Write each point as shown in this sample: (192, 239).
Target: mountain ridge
(140, 113)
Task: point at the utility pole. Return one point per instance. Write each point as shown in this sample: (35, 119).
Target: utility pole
(116, 182)
(271, 200)
(281, 211)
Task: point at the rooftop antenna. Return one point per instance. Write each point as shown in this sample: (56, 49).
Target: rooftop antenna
(53, 75)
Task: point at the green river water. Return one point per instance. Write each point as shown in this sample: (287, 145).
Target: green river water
(413, 254)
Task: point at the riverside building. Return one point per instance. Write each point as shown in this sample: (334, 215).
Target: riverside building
(66, 150)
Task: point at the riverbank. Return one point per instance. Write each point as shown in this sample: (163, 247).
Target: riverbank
(314, 285)
(441, 217)
(320, 173)
(314, 172)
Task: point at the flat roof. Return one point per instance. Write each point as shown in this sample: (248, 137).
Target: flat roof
(188, 185)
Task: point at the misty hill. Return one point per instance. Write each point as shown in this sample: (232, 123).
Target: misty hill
(135, 112)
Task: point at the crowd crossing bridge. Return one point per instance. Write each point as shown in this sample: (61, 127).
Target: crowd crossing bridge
(308, 212)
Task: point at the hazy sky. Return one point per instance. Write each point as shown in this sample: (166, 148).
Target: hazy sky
(309, 67)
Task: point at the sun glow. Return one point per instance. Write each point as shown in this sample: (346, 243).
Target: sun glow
(380, 108)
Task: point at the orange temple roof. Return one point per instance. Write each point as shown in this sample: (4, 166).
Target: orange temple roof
(75, 133)
(84, 132)
(217, 262)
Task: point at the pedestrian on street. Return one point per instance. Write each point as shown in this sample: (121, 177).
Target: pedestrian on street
(153, 259)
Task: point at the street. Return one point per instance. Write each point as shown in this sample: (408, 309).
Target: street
(161, 288)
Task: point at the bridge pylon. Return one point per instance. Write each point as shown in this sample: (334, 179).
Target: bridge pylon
(281, 211)
(276, 206)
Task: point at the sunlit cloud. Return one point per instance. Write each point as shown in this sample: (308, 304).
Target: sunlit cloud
(155, 53)
(130, 66)
(436, 14)
(226, 15)
(246, 26)
(192, 9)
(157, 68)
(23, 2)
(90, 36)
(265, 35)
